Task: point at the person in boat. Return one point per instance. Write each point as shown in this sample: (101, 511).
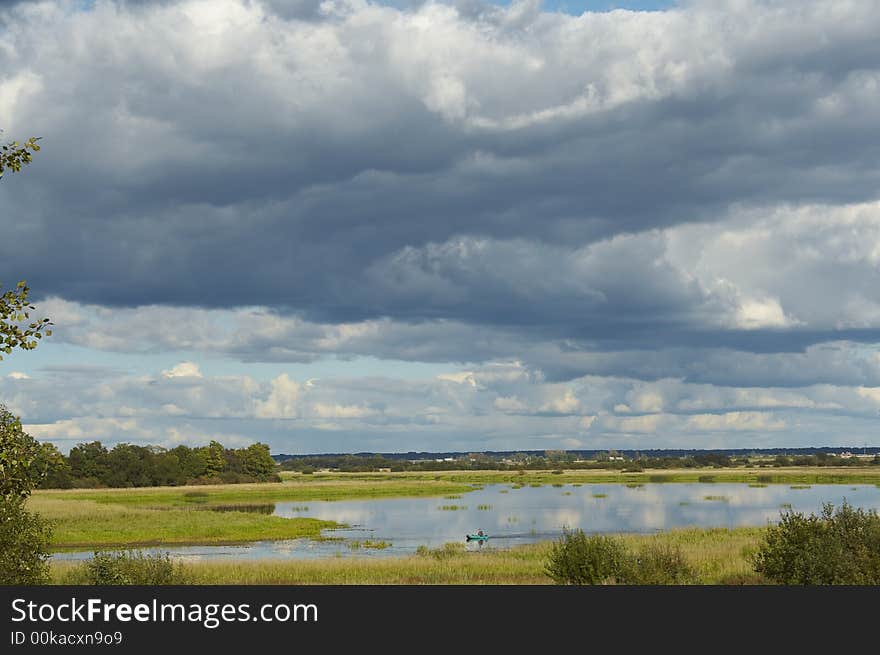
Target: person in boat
(480, 533)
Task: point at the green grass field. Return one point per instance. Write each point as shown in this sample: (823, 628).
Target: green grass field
(84, 524)
(719, 556)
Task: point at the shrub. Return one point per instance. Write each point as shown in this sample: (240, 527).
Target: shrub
(658, 564)
(24, 545)
(841, 547)
(133, 568)
(579, 559)
(586, 560)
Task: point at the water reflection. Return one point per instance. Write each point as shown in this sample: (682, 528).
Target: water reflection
(531, 514)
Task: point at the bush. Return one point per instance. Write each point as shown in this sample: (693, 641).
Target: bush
(658, 564)
(582, 560)
(24, 545)
(579, 559)
(133, 568)
(841, 547)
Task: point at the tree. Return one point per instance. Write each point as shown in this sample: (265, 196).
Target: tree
(257, 461)
(89, 461)
(54, 464)
(24, 537)
(19, 472)
(214, 461)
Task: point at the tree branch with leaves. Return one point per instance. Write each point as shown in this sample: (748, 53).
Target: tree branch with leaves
(15, 155)
(14, 312)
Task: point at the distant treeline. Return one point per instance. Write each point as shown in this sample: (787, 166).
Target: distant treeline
(561, 459)
(596, 454)
(125, 465)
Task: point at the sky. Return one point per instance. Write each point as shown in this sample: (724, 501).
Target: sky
(346, 226)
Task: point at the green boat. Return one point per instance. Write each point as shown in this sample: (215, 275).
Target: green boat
(477, 537)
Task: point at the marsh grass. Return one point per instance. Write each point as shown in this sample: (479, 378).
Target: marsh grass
(800, 486)
(129, 568)
(718, 499)
(376, 545)
(758, 485)
(251, 508)
(716, 556)
(354, 544)
(484, 508)
(600, 495)
(452, 508)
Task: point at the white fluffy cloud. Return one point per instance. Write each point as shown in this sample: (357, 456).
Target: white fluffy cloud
(183, 370)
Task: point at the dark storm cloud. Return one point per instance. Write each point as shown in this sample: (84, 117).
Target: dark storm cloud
(485, 166)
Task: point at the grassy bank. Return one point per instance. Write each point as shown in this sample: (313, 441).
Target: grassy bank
(719, 556)
(79, 524)
(790, 475)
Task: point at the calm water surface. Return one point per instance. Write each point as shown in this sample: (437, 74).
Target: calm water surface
(528, 514)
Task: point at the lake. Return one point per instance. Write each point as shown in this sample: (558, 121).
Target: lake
(527, 514)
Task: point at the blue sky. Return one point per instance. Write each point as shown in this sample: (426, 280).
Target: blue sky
(350, 226)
